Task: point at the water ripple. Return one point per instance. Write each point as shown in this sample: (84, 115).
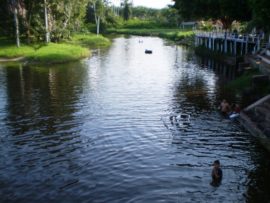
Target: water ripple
(100, 131)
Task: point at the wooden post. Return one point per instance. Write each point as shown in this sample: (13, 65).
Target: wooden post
(246, 45)
(241, 48)
(231, 47)
(221, 48)
(225, 43)
(225, 46)
(235, 47)
(258, 44)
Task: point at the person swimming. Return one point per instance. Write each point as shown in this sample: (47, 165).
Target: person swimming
(225, 107)
(216, 174)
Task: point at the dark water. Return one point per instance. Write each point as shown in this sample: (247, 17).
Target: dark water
(99, 131)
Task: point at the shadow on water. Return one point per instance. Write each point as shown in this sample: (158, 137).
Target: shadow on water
(42, 129)
(47, 94)
(99, 130)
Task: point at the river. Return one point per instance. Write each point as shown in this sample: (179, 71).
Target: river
(99, 130)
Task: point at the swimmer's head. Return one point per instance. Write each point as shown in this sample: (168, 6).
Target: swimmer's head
(216, 163)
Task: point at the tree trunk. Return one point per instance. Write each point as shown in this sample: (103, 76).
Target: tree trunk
(97, 18)
(98, 24)
(18, 43)
(46, 22)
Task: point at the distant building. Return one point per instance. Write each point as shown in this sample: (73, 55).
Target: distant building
(191, 24)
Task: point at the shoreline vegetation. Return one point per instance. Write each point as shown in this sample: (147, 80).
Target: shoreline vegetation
(76, 48)
(79, 45)
(183, 37)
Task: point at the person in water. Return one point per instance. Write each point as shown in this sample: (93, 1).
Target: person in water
(225, 107)
(216, 174)
(237, 108)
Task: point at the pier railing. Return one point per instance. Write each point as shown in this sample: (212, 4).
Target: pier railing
(230, 42)
(231, 36)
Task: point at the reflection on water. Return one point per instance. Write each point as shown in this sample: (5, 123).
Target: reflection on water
(100, 131)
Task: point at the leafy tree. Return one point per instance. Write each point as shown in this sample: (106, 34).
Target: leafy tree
(261, 13)
(126, 10)
(13, 8)
(225, 10)
(170, 17)
(42, 19)
(142, 12)
(65, 16)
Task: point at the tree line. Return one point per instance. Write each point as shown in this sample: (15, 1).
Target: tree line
(37, 20)
(256, 12)
(55, 20)
(51, 20)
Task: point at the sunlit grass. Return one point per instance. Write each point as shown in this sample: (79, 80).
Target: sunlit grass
(58, 53)
(90, 40)
(74, 49)
(11, 51)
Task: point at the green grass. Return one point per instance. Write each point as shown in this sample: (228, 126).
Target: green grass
(243, 86)
(71, 50)
(90, 40)
(11, 51)
(168, 33)
(139, 24)
(242, 82)
(58, 53)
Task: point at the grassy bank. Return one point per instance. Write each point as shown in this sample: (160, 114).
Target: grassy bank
(90, 40)
(76, 48)
(243, 86)
(243, 81)
(58, 53)
(181, 36)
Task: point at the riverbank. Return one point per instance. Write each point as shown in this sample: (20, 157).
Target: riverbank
(76, 48)
(251, 84)
(255, 119)
(184, 37)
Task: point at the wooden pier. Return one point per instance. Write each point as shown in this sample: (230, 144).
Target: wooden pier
(230, 43)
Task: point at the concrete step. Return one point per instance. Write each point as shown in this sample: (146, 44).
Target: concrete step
(267, 132)
(266, 105)
(260, 110)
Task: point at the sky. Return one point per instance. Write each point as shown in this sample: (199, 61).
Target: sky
(147, 3)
